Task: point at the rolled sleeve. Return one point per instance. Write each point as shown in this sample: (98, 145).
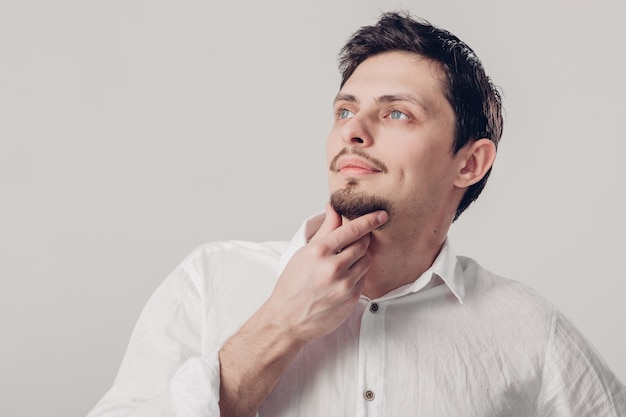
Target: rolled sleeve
(167, 334)
(194, 389)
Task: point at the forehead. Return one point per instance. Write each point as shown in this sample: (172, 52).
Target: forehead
(397, 72)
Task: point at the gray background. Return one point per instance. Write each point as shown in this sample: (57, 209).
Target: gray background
(133, 131)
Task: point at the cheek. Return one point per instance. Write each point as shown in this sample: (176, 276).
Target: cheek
(412, 164)
(421, 170)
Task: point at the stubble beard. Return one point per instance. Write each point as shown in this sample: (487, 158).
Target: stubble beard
(350, 203)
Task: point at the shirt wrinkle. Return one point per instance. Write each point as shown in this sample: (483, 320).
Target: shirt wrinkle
(591, 361)
(414, 351)
(544, 368)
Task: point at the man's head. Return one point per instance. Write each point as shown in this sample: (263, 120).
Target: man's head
(475, 102)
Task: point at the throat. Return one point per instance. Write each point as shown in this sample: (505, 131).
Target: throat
(393, 266)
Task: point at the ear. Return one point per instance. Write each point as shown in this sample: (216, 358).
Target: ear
(476, 159)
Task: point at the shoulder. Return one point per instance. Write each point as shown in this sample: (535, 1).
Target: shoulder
(576, 380)
(507, 303)
(540, 345)
(231, 264)
(234, 250)
(481, 283)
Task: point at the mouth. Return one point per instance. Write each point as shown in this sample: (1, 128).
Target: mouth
(351, 166)
(356, 163)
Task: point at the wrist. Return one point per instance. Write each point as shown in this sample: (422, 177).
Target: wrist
(281, 331)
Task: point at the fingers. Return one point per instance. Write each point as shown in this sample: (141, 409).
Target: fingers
(355, 230)
(332, 220)
(353, 251)
(346, 241)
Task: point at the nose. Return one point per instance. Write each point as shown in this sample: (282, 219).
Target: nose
(357, 131)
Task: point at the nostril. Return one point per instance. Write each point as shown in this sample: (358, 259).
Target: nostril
(359, 140)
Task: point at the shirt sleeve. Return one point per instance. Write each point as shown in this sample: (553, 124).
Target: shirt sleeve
(576, 380)
(195, 388)
(166, 341)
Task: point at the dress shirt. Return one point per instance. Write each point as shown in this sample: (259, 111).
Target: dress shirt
(458, 341)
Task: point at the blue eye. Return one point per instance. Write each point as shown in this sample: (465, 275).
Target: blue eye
(345, 113)
(397, 115)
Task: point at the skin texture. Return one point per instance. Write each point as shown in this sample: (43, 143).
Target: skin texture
(391, 141)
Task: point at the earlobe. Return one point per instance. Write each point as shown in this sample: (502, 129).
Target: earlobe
(478, 159)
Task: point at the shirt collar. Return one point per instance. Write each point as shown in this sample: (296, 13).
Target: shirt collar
(446, 266)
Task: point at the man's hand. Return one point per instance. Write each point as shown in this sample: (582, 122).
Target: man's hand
(322, 283)
(314, 295)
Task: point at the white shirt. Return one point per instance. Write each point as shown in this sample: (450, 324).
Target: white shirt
(458, 341)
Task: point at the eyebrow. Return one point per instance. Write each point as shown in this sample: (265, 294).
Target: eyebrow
(387, 98)
(345, 97)
(391, 98)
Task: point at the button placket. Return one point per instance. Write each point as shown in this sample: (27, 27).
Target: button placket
(371, 360)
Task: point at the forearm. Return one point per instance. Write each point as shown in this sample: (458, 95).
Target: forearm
(314, 294)
(251, 364)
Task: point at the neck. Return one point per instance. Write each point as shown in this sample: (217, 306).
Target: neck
(399, 257)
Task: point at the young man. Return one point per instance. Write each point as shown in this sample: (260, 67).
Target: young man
(367, 311)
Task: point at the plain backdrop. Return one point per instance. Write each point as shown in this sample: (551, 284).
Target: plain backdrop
(133, 131)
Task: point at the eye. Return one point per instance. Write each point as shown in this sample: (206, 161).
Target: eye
(397, 115)
(344, 114)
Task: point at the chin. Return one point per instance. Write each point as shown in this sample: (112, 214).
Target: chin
(352, 204)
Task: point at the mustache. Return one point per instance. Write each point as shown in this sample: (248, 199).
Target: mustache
(378, 164)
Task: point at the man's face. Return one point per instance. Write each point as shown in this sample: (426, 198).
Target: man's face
(390, 145)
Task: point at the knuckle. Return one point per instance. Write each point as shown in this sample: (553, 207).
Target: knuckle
(373, 220)
(334, 244)
(329, 269)
(318, 248)
(346, 286)
(333, 269)
(354, 231)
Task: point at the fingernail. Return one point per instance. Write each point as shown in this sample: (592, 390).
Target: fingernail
(382, 217)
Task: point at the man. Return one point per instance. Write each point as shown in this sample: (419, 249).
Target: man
(367, 311)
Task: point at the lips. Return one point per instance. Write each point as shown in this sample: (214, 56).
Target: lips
(350, 165)
(356, 162)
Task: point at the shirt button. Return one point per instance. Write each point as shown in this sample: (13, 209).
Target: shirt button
(368, 395)
(374, 307)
